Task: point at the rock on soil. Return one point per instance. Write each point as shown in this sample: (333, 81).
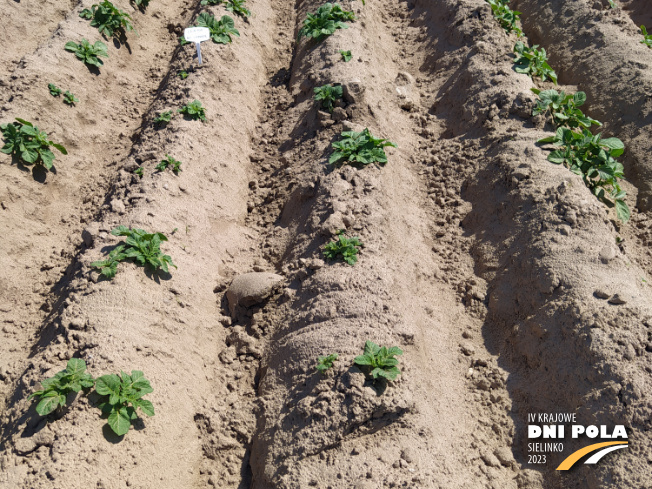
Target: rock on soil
(250, 289)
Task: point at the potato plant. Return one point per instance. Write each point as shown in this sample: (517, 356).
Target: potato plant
(328, 18)
(69, 98)
(163, 118)
(194, 110)
(379, 362)
(238, 8)
(327, 95)
(55, 390)
(140, 246)
(87, 52)
(593, 158)
(54, 90)
(169, 162)
(141, 4)
(563, 109)
(326, 362)
(533, 61)
(122, 397)
(584, 153)
(108, 19)
(343, 247)
(29, 144)
(221, 30)
(506, 17)
(647, 38)
(359, 148)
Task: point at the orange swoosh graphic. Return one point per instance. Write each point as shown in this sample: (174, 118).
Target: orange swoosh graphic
(575, 456)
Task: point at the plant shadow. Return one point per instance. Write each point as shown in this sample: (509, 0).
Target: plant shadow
(93, 70)
(121, 40)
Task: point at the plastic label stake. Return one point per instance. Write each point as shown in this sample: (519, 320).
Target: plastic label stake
(197, 35)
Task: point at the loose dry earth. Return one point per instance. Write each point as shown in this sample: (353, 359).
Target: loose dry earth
(510, 288)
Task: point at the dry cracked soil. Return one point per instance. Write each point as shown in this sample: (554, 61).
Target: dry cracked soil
(510, 288)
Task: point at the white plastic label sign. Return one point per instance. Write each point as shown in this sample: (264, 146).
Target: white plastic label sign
(197, 34)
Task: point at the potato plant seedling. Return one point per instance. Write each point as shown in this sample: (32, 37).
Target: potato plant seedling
(327, 95)
(584, 153)
(108, 19)
(169, 162)
(647, 38)
(221, 30)
(593, 158)
(359, 148)
(122, 397)
(87, 52)
(533, 61)
(328, 18)
(55, 390)
(141, 4)
(379, 362)
(238, 8)
(29, 144)
(506, 17)
(163, 118)
(54, 90)
(140, 246)
(563, 109)
(69, 98)
(194, 110)
(343, 247)
(326, 362)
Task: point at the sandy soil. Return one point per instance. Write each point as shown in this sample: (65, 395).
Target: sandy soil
(509, 287)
